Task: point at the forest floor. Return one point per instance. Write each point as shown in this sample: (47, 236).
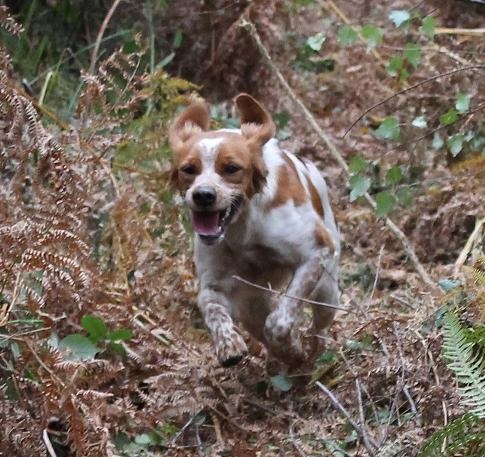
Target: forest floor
(383, 362)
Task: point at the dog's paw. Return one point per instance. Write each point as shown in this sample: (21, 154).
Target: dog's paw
(282, 340)
(231, 350)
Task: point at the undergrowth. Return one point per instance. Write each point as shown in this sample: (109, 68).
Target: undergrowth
(73, 239)
(102, 352)
(464, 352)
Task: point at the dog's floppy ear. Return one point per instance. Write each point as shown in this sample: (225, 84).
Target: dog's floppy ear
(256, 123)
(193, 120)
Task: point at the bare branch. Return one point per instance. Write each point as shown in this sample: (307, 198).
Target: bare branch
(407, 89)
(339, 407)
(282, 294)
(102, 29)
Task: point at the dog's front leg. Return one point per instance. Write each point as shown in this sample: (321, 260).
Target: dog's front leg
(229, 344)
(281, 325)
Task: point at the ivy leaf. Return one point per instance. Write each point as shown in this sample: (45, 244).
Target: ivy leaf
(477, 141)
(315, 42)
(394, 175)
(437, 141)
(404, 75)
(95, 326)
(143, 439)
(117, 347)
(448, 284)
(385, 203)
(455, 143)
(281, 383)
(79, 346)
(420, 122)
(389, 129)
(121, 334)
(470, 134)
(462, 104)
(404, 196)
(357, 164)
(450, 117)
(327, 357)
(428, 26)
(412, 52)
(359, 185)
(372, 35)
(346, 36)
(400, 17)
(394, 66)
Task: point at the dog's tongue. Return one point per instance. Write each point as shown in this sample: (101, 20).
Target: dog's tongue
(206, 222)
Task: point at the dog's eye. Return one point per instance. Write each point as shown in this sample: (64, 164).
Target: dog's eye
(231, 168)
(189, 169)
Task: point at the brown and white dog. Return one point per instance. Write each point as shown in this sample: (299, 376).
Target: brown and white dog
(259, 213)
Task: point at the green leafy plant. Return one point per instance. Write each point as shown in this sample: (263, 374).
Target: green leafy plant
(392, 188)
(99, 338)
(464, 433)
(464, 353)
(467, 364)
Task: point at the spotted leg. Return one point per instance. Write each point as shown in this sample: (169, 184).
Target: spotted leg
(229, 344)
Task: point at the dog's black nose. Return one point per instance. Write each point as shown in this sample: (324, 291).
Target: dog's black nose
(204, 196)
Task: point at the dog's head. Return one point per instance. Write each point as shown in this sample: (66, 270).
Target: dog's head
(219, 171)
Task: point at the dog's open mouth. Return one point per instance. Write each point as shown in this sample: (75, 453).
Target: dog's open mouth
(210, 225)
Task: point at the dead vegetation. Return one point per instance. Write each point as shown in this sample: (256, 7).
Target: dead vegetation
(88, 227)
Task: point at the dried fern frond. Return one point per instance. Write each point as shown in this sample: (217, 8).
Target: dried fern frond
(8, 23)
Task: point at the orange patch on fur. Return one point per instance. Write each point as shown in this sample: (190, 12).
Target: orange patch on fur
(289, 186)
(250, 178)
(315, 198)
(323, 237)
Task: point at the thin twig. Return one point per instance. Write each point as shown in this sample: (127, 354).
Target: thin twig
(217, 429)
(102, 29)
(409, 399)
(185, 427)
(368, 442)
(334, 151)
(7, 309)
(370, 449)
(468, 246)
(378, 269)
(48, 444)
(407, 89)
(465, 116)
(42, 364)
(282, 294)
(298, 448)
(459, 31)
(435, 373)
(351, 368)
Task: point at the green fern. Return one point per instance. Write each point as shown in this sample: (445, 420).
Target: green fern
(465, 436)
(467, 363)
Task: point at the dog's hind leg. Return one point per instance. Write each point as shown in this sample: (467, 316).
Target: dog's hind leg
(326, 291)
(229, 344)
(281, 327)
(253, 313)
